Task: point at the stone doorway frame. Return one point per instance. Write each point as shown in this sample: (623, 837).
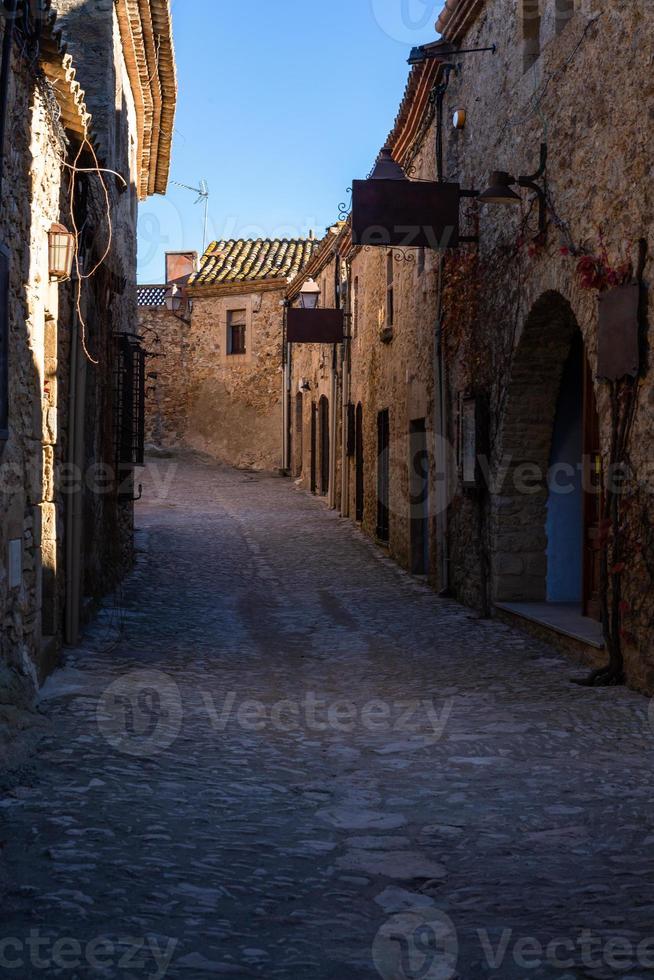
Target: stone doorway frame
(518, 519)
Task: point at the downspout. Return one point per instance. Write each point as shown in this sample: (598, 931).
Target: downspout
(75, 498)
(347, 395)
(440, 377)
(5, 73)
(286, 395)
(333, 422)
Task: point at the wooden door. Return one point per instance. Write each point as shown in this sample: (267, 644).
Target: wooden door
(383, 476)
(592, 471)
(359, 489)
(324, 446)
(419, 497)
(314, 447)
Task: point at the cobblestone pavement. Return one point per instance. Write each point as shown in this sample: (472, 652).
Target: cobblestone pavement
(418, 794)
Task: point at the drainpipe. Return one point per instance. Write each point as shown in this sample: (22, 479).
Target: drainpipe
(440, 376)
(347, 395)
(75, 497)
(333, 423)
(5, 73)
(286, 395)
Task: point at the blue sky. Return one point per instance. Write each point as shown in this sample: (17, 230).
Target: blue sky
(281, 104)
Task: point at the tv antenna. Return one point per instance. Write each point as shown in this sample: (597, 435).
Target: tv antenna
(203, 195)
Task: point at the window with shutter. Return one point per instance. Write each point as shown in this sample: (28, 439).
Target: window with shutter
(236, 326)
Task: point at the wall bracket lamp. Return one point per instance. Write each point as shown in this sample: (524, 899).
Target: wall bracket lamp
(501, 184)
(61, 253)
(178, 303)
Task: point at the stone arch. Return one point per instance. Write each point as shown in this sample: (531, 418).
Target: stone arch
(520, 507)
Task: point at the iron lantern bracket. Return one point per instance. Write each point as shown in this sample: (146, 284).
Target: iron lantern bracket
(537, 183)
(469, 239)
(422, 53)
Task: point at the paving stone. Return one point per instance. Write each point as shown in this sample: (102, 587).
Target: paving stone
(273, 750)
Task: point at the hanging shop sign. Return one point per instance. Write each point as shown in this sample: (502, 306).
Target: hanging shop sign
(618, 353)
(405, 213)
(322, 326)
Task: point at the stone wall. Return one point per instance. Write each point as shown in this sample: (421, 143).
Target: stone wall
(200, 396)
(30, 507)
(593, 184)
(168, 383)
(36, 489)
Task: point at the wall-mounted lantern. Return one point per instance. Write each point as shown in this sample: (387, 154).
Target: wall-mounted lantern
(61, 252)
(178, 303)
(500, 192)
(310, 295)
(389, 210)
(307, 324)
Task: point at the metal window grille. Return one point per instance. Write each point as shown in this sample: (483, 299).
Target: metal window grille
(130, 401)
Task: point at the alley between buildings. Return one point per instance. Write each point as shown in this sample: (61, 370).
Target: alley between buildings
(278, 755)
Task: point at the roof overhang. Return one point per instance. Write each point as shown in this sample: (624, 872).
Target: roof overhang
(238, 288)
(147, 39)
(457, 18)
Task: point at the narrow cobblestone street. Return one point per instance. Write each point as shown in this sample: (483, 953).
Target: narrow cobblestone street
(405, 760)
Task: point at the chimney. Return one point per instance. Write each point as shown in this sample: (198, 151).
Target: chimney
(180, 265)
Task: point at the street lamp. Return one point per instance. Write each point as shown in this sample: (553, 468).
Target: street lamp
(61, 252)
(500, 192)
(310, 295)
(178, 303)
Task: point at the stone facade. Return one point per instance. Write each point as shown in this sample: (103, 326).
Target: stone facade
(200, 397)
(204, 392)
(489, 328)
(65, 529)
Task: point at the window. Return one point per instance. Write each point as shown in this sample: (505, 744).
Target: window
(390, 294)
(4, 343)
(564, 11)
(421, 260)
(236, 321)
(530, 23)
(355, 307)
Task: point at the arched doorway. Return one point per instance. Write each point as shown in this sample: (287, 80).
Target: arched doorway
(546, 513)
(359, 463)
(323, 413)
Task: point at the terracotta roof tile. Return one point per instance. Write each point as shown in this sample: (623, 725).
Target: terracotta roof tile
(236, 261)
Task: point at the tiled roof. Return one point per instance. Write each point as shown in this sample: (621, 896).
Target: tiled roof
(147, 38)
(457, 18)
(151, 295)
(233, 262)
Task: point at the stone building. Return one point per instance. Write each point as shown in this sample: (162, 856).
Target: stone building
(484, 411)
(216, 380)
(82, 96)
